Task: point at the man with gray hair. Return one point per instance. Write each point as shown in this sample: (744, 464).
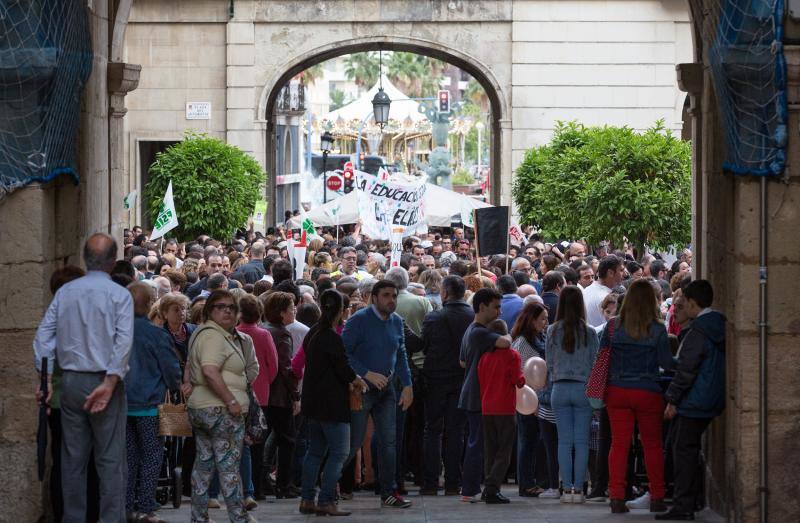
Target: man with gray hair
(140, 264)
(88, 328)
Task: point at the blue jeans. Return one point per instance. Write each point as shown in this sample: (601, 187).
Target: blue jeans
(399, 438)
(330, 437)
(527, 444)
(443, 417)
(382, 405)
(472, 473)
(573, 418)
(246, 471)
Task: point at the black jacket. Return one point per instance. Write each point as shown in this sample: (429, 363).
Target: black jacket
(252, 271)
(442, 332)
(283, 390)
(327, 376)
(698, 388)
(550, 300)
(195, 289)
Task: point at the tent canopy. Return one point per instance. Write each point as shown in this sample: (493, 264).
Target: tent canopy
(441, 205)
(359, 108)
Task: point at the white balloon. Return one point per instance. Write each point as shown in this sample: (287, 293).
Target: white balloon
(535, 371)
(527, 401)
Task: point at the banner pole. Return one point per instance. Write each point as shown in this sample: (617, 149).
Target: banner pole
(508, 238)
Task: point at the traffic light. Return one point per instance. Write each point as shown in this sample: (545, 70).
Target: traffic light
(444, 101)
(349, 177)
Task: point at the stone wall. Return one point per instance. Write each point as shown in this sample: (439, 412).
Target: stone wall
(41, 228)
(597, 62)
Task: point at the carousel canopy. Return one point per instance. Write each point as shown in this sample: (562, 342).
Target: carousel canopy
(400, 109)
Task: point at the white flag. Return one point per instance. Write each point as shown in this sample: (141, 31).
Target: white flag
(167, 217)
(130, 200)
(516, 236)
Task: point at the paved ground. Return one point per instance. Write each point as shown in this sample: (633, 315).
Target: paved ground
(366, 508)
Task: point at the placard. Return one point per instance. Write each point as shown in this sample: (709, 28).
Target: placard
(198, 110)
(384, 205)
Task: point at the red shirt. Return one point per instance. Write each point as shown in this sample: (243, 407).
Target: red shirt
(499, 373)
(267, 358)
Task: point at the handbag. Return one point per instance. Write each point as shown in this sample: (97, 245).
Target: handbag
(598, 379)
(255, 424)
(173, 418)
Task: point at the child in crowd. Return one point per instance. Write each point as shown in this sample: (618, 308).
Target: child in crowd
(498, 374)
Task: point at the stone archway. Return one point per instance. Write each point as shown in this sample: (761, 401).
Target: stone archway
(500, 109)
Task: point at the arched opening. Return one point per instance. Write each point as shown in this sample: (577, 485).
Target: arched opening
(498, 107)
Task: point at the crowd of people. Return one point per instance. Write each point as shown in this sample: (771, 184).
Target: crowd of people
(373, 377)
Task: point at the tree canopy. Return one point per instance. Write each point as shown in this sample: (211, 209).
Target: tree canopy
(608, 183)
(215, 186)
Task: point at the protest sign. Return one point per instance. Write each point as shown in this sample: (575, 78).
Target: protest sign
(516, 236)
(397, 246)
(385, 204)
(491, 230)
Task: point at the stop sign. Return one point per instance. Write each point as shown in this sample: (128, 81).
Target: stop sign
(334, 182)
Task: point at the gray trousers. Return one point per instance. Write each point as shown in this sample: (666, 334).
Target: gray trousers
(103, 434)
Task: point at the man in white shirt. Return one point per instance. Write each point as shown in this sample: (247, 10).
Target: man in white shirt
(88, 328)
(609, 275)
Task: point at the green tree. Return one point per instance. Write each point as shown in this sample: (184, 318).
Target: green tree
(362, 68)
(312, 74)
(415, 74)
(608, 183)
(338, 99)
(215, 186)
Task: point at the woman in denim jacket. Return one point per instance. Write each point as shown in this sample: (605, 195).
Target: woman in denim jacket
(571, 349)
(639, 347)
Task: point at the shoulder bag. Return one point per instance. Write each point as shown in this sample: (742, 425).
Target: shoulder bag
(598, 379)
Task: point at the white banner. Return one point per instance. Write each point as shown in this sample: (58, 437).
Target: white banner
(384, 205)
(167, 217)
(516, 236)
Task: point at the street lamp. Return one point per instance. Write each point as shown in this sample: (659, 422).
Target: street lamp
(380, 107)
(326, 144)
(381, 101)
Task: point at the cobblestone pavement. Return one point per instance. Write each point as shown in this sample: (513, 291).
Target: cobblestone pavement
(366, 508)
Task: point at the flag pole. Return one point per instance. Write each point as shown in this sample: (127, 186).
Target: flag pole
(508, 237)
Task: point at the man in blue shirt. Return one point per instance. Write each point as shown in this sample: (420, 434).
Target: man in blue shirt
(511, 304)
(375, 344)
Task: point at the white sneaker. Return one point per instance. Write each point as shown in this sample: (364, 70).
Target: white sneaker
(577, 497)
(642, 502)
(566, 497)
(550, 493)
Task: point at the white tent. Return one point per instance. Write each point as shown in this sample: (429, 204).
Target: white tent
(359, 108)
(441, 206)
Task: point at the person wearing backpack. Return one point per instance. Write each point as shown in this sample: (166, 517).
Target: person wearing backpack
(696, 395)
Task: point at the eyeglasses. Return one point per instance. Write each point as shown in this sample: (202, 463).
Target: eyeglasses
(230, 307)
(349, 258)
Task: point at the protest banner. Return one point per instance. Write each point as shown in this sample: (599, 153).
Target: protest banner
(386, 204)
(516, 236)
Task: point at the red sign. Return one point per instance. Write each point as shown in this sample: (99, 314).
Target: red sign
(348, 166)
(334, 182)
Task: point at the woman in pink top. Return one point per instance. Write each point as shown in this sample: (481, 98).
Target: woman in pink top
(250, 314)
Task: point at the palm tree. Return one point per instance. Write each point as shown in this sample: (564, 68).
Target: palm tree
(416, 75)
(362, 68)
(311, 75)
(476, 94)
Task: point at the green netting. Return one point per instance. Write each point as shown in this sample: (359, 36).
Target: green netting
(45, 60)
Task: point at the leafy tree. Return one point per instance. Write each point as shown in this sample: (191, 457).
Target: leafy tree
(415, 74)
(338, 99)
(312, 74)
(608, 183)
(362, 68)
(215, 186)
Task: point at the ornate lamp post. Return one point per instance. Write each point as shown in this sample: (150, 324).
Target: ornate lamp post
(326, 144)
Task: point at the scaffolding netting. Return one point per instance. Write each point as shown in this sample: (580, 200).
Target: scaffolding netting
(749, 74)
(45, 60)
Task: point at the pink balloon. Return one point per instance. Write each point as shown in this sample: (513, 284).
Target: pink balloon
(535, 371)
(527, 401)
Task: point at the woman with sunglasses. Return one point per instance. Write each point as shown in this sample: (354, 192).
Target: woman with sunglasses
(221, 362)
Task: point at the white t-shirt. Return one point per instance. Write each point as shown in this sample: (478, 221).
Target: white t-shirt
(593, 296)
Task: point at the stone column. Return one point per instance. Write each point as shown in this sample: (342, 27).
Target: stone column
(690, 80)
(501, 180)
(122, 79)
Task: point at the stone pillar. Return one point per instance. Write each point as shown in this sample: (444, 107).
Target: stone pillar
(122, 79)
(729, 235)
(502, 173)
(41, 228)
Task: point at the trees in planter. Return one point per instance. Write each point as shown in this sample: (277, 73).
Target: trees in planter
(215, 186)
(608, 183)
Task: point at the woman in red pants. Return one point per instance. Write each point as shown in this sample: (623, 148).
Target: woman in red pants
(638, 348)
